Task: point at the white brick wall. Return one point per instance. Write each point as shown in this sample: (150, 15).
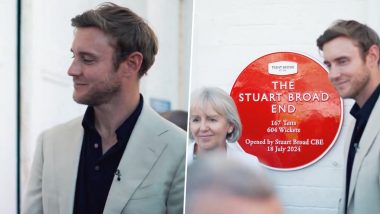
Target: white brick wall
(228, 35)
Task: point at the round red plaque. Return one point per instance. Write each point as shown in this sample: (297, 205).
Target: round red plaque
(290, 112)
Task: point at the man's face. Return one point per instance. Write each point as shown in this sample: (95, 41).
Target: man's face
(95, 79)
(349, 73)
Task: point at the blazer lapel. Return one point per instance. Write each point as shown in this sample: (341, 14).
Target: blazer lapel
(68, 153)
(366, 141)
(142, 151)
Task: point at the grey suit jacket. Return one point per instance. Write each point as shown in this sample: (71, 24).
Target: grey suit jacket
(364, 195)
(152, 169)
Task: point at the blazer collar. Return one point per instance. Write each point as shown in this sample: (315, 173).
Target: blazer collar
(370, 132)
(70, 144)
(143, 149)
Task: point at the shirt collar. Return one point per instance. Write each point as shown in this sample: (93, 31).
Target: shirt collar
(364, 112)
(130, 122)
(88, 121)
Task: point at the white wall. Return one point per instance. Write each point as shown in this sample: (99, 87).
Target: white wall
(8, 114)
(47, 36)
(229, 35)
(172, 24)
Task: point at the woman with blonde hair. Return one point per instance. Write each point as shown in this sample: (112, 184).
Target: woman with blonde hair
(215, 126)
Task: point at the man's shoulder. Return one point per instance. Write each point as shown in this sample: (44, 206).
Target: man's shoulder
(170, 130)
(166, 131)
(152, 118)
(66, 127)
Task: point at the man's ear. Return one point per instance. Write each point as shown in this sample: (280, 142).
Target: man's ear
(373, 55)
(132, 64)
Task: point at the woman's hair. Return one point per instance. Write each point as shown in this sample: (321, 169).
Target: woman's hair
(222, 103)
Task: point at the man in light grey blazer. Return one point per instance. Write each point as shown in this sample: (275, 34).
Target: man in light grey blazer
(121, 156)
(351, 52)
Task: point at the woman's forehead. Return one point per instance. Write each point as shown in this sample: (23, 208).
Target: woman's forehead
(206, 108)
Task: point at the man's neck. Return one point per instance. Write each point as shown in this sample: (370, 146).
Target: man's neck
(362, 98)
(108, 117)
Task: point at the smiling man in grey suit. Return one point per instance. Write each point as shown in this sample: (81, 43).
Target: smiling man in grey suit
(351, 52)
(120, 157)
